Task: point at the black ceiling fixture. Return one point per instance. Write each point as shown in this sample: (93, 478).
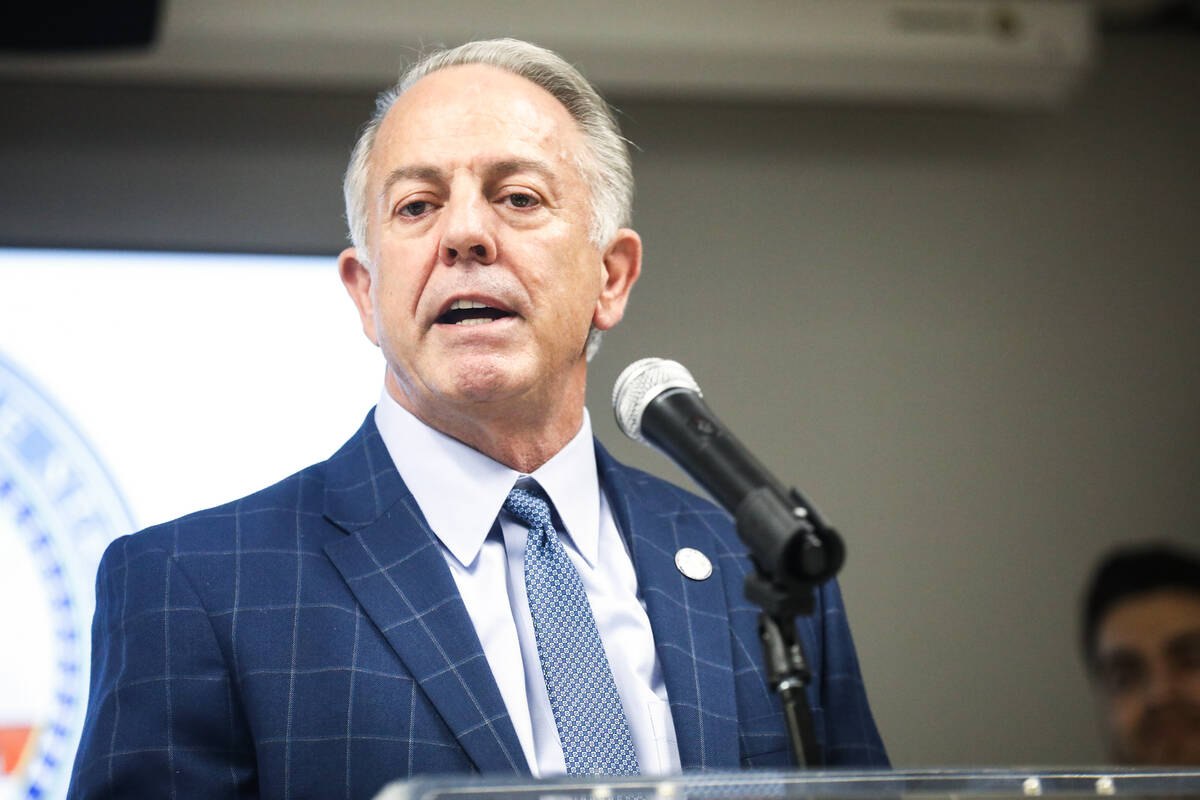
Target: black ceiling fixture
(1150, 15)
(46, 26)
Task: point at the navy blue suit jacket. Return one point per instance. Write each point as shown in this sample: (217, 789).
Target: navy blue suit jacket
(309, 641)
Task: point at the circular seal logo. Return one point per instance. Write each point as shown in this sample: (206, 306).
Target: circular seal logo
(59, 509)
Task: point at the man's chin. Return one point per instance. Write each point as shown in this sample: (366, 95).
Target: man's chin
(477, 392)
(483, 381)
(511, 383)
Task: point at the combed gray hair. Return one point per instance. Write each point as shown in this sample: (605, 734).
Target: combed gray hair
(605, 165)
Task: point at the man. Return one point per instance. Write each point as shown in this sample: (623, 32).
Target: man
(1142, 647)
(470, 583)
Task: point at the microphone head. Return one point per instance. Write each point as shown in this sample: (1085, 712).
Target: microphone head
(641, 382)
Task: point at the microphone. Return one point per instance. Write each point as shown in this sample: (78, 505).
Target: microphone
(657, 402)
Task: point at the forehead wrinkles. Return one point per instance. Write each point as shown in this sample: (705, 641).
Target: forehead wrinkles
(472, 115)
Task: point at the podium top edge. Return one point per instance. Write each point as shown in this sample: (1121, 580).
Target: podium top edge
(953, 784)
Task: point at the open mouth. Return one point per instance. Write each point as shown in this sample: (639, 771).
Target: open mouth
(471, 312)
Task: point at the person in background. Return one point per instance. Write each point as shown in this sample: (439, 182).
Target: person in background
(1141, 643)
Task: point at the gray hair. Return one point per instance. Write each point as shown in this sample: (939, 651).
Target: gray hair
(605, 165)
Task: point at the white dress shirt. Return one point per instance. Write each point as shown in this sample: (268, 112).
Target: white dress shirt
(461, 492)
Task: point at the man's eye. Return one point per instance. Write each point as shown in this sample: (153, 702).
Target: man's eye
(414, 209)
(521, 200)
(1186, 654)
(1122, 678)
(1121, 682)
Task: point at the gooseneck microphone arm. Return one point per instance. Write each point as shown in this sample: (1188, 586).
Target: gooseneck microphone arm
(657, 402)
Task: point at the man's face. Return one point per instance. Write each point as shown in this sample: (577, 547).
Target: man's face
(1148, 678)
(482, 282)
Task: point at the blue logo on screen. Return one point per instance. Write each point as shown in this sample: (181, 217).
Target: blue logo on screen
(59, 509)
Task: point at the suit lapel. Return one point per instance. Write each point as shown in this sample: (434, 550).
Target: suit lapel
(393, 565)
(689, 618)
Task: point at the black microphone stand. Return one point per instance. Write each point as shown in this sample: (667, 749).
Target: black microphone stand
(792, 549)
(812, 553)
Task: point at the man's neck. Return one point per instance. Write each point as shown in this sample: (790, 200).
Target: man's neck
(522, 435)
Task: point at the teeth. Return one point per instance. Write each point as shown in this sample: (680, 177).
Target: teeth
(459, 304)
(474, 321)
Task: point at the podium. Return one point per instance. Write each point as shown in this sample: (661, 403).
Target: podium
(926, 784)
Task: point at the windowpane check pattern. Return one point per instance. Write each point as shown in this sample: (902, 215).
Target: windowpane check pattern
(587, 710)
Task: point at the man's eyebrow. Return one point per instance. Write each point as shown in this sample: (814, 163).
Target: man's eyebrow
(500, 169)
(414, 173)
(492, 172)
(1185, 643)
(1120, 657)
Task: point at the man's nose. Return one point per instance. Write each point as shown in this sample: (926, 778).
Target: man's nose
(467, 236)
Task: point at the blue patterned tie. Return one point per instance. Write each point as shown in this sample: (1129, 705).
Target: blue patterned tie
(587, 710)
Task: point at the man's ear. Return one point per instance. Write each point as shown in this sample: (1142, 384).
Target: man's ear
(622, 266)
(357, 280)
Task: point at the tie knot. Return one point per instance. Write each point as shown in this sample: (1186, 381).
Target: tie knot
(530, 508)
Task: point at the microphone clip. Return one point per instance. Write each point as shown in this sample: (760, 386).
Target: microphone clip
(788, 541)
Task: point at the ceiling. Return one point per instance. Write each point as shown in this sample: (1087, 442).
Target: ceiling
(991, 52)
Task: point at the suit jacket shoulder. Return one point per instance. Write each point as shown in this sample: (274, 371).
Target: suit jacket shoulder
(306, 640)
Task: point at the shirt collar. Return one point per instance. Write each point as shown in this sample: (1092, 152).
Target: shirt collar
(460, 490)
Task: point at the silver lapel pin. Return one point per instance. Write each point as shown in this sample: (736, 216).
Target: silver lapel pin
(693, 564)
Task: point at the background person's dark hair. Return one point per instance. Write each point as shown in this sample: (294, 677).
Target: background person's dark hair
(1133, 570)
